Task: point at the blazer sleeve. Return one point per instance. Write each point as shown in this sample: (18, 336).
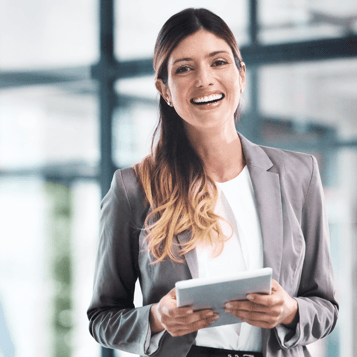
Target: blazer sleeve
(317, 306)
(114, 322)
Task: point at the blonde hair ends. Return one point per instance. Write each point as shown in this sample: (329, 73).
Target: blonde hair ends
(173, 211)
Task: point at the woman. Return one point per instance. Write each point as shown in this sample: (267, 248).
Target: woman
(207, 201)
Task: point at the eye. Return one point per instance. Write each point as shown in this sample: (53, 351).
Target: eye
(219, 62)
(182, 69)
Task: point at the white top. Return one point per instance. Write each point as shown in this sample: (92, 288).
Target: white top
(243, 251)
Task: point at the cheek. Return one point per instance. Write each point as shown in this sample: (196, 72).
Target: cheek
(179, 95)
(235, 82)
(233, 78)
(234, 87)
(176, 93)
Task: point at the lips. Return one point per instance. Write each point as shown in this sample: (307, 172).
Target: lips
(207, 99)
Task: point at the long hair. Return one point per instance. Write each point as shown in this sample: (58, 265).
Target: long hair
(181, 195)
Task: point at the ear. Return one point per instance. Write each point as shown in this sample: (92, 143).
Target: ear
(163, 90)
(242, 77)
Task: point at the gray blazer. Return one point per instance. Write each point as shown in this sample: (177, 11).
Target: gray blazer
(290, 202)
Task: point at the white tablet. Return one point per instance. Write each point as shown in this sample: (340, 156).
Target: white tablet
(203, 293)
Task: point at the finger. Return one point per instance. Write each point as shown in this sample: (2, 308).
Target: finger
(172, 293)
(183, 329)
(259, 319)
(263, 297)
(246, 306)
(168, 306)
(263, 300)
(276, 298)
(271, 316)
(182, 312)
(275, 285)
(195, 316)
(255, 316)
(197, 325)
(201, 315)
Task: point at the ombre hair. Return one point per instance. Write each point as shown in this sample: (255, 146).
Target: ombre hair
(181, 195)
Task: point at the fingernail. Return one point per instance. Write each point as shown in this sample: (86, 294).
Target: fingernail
(229, 306)
(216, 317)
(189, 311)
(210, 313)
(250, 297)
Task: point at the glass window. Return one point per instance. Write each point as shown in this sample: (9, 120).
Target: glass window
(47, 266)
(288, 21)
(136, 31)
(47, 126)
(320, 92)
(38, 34)
(135, 120)
(50, 212)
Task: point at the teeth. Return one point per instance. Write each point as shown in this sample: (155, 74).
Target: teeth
(208, 98)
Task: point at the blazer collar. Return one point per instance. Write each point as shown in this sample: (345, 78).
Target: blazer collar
(266, 187)
(254, 155)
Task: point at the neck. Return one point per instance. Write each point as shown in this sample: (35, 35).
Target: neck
(219, 149)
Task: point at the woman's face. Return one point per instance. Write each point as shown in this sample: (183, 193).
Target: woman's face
(204, 84)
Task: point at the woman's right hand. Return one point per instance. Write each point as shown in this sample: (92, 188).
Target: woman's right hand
(178, 321)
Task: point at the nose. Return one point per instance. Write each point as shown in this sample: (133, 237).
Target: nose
(203, 77)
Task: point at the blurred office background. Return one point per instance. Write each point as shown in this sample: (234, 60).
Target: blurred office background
(77, 100)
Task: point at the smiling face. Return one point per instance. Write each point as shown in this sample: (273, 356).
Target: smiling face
(204, 84)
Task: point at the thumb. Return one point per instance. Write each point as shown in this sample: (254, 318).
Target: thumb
(172, 293)
(275, 285)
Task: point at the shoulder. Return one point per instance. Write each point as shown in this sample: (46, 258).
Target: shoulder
(126, 187)
(282, 162)
(296, 170)
(286, 160)
(124, 201)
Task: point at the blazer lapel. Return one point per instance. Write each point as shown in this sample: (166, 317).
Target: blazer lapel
(267, 191)
(191, 257)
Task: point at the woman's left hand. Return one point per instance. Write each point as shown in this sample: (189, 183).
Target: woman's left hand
(266, 311)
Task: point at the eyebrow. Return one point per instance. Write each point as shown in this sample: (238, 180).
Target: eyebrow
(212, 54)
